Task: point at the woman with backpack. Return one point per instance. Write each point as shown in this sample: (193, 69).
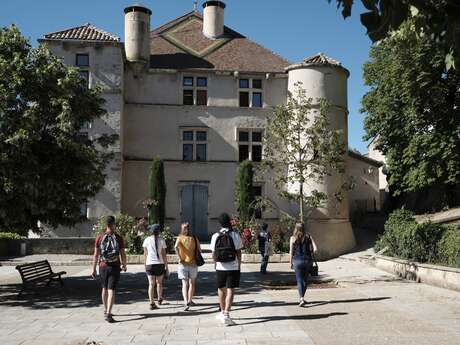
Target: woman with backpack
(301, 249)
(156, 263)
(187, 246)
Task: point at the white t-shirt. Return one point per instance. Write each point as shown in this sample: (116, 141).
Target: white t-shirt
(152, 257)
(231, 265)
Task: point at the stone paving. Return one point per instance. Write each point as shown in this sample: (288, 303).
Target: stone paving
(367, 306)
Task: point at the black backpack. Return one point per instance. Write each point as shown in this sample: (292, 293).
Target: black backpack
(224, 249)
(110, 249)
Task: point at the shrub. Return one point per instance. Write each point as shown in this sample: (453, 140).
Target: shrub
(396, 237)
(449, 247)
(10, 236)
(280, 239)
(425, 242)
(169, 238)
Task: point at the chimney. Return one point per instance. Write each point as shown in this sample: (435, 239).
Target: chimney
(137, 33)
(213, 19)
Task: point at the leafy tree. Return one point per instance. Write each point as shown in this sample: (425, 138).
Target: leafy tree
(301, 146)
(157, 193)
(245, 191)
(413, 111)
(48, 169)
(437, 19)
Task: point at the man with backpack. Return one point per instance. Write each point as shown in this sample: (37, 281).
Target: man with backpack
(109, 252)
(226, 249)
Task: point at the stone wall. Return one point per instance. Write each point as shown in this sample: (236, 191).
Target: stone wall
(66, 245)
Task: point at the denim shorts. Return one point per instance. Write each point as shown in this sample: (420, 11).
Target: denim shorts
(187, 271)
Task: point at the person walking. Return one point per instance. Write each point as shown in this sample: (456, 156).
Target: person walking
(156, 263)
(264, 238)
(301, 249)
(186, 247)
(226, 249)
(109, 253)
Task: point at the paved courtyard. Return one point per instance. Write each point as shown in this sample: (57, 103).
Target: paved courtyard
(367, 306)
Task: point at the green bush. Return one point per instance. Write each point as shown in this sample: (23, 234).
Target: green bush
(449, 247)
(10, 236)
(425, 242)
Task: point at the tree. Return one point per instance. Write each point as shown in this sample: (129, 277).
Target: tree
(300, 146)
(437, 19)
(48, 168)
(413, 111)
(245, 191)
(157, 193)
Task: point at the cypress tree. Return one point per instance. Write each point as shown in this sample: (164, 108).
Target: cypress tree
(245, 191)
(157, 193)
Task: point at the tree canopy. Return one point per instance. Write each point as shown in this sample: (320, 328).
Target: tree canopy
(413, 111)
(300, 146)
(48, 167)
(439, 20)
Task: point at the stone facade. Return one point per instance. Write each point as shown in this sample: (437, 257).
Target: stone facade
(199, 142)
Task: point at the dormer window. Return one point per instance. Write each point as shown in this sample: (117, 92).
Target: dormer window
(250, 92)
(195, 90)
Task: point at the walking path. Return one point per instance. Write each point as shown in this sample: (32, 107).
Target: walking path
(367, 306)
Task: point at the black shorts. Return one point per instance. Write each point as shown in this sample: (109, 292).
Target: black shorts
(228, 279)
(155, 270)
(110, 275)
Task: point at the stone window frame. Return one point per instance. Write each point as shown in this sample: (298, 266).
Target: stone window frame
(250, 143)
(251, 91)
(194, 142)
(194, 88)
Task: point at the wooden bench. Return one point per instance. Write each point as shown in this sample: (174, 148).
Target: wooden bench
(35, 273)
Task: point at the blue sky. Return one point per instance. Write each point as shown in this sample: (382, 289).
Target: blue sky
(294, 29)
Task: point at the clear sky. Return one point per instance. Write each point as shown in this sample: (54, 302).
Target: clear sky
(295, 29)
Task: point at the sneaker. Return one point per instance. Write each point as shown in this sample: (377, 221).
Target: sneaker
(160, 301)
(220, 317)
(302, 303)
(186, 307)
(192, 304)
(109, 318)
(153, 306)
(228, 321)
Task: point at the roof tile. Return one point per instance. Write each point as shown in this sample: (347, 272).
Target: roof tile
(85, 32)
(180, 44)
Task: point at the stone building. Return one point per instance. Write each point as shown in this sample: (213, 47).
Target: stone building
(197, 93)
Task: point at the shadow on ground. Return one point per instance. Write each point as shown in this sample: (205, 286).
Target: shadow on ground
(84, 291)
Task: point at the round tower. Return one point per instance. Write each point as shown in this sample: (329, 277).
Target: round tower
(137, 33)
(325, 78)
(213, 19)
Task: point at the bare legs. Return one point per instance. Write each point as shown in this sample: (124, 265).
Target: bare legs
(158, 282)
(188, 290)
(108, 298)
(226, 299)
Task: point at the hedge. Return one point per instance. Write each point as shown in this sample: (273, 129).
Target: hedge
(425, 243)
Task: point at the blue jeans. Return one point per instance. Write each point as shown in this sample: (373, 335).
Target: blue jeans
(302, 270)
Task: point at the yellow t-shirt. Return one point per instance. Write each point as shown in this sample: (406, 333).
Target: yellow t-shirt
(186, 249)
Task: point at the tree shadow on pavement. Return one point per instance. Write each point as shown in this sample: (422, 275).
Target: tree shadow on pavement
(263, 319)
(84, 291)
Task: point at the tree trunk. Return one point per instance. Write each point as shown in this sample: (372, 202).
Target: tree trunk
(301, 200)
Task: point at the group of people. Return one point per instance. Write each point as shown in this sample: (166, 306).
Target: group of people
(226, 246)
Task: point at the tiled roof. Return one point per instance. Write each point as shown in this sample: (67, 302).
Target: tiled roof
(180, 44)
(85, 32)
(319, 59)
